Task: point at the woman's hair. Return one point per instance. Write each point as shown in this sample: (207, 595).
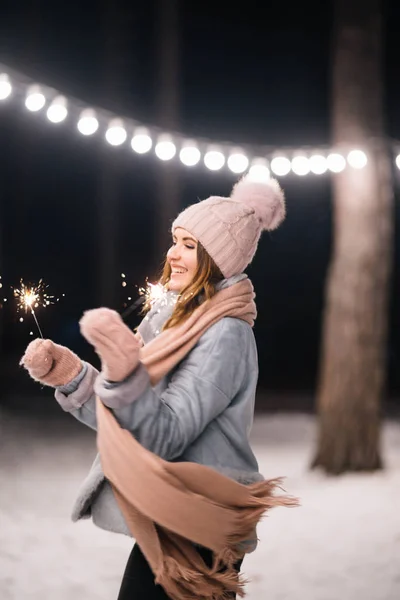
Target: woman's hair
(202, 287)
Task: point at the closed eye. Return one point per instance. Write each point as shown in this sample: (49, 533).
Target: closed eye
(189, 246)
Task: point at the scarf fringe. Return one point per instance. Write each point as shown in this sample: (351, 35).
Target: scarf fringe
(183, 582)
(261, 501)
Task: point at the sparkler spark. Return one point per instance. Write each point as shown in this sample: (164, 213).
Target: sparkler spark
(147, 296)
(30, 297)
(152, 292)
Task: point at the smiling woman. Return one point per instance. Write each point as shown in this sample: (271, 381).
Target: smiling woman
(176, 470)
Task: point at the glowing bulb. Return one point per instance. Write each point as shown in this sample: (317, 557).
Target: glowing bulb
(165, 148)
(88, 124)
(57, 111)
(280, 165)
(259, 171)
(141, 141)
(214, 160)
(5, 86)
(318, 164)
(300, 165)
(190, 154)
(34, 100)
(357, 159)
(398, 161)
(116, 134)
(238, 162)
(336, 163)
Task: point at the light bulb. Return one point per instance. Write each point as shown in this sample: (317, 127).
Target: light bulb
(238, 162)
(165, 148)
(116, 133)
(259, 171)
(336, 162)
(88, 124)
(300, 165)
(214, 160)
(141, 141)
(5, 86)
(357, 159)
(189, 154)
(280, 165)
(35, 99)
(57, 111)
(318, 164)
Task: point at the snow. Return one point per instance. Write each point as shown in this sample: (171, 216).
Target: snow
(343, 542)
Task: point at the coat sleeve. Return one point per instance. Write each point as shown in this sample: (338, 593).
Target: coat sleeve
(202, 387)
(78, 396)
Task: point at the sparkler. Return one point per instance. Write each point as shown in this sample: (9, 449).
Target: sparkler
(30, 297)
(148, 294)
(153, 292)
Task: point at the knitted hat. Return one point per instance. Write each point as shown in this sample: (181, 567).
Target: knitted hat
(229, 228)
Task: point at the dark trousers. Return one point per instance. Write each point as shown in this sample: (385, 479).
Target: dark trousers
(138, 580)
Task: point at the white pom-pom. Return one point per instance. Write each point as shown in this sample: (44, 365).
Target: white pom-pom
(265, 198)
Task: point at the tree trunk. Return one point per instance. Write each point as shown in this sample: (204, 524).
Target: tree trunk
(353, 368)
(168, 184)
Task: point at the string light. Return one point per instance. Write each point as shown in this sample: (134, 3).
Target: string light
(88, 123)
(259, 170)
(141, 141)
(190, 154)
(238, 161)
(336, 162)
(215, 155)
(5, 86)
(35, 99)
(318, 164)
(280, 165)
(57, 111)
(300, 165)
(165, 148)
(116, 133)
(357, 159)
(214, 159)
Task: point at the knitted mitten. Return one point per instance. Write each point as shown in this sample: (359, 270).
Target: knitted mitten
(50, 363)
(139, 339)
(113, 341)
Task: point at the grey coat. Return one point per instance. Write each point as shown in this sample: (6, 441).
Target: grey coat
(200, 412)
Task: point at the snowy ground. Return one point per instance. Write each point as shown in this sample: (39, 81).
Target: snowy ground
(343, 543)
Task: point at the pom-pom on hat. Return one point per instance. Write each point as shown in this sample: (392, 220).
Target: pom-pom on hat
(229, 228)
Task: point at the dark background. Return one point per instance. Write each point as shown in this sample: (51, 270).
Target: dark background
(257, 74)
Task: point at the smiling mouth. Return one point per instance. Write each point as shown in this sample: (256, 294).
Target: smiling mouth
(178, 271)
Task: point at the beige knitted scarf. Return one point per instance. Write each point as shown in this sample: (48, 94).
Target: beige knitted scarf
(168, 506)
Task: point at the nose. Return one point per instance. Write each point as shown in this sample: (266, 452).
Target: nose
(173, 253)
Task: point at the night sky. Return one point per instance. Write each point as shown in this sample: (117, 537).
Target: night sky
(244, 77)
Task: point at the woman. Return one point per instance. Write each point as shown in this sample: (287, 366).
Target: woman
(173, 406)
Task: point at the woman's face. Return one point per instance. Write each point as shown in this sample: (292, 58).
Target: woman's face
(182, 258)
